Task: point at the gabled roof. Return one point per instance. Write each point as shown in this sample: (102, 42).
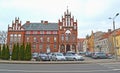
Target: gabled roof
(81, 39)
(41, 26)
(118, 32)
(105, 35)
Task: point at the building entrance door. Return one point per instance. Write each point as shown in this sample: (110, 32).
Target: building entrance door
(67, 47)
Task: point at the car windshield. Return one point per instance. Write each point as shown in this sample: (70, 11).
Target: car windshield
(43, 55)
(100, 53)
(34, 54)
(59, 54)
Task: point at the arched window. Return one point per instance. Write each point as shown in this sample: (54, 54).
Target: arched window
(67, 37)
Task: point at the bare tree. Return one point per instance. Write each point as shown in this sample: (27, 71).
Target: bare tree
(3, 37)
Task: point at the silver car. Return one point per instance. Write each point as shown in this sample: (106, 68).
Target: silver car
(73, 57)
(58, 57)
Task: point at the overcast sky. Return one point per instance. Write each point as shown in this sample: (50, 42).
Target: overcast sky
(90, 14)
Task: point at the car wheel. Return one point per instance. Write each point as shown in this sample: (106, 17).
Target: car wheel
(56, 59)
(50, 59)
(74, 59)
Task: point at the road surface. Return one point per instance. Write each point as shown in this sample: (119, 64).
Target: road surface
(61, 68)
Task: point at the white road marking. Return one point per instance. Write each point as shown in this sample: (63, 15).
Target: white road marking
(116, 69)
(38, 71)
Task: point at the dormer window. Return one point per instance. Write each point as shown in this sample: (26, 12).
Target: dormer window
(75, 27)
(60, 27)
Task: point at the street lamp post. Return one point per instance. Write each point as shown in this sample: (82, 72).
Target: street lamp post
(114, 34)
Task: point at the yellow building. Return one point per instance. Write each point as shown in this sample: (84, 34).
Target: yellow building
(118, 42)
(91, 42)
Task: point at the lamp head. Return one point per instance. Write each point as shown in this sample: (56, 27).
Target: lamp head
(109, 18)
(117, 14)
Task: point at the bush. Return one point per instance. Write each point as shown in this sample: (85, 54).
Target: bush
(7, 53)
(0, 52)
(14, 53)
(28, 52)
(3, 52)
(22, 52)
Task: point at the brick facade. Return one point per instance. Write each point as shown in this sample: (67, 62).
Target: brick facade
(45, 36)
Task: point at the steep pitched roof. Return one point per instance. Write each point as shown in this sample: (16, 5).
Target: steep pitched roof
(105, 35)
(41, 26)
(81, 39)
(118, 32)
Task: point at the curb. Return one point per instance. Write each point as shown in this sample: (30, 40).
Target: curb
(56, 62)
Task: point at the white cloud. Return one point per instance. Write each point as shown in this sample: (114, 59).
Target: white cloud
(95, 7)
(91, 14)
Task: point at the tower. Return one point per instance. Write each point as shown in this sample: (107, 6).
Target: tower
(67, 33)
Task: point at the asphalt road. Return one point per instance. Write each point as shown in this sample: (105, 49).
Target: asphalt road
(61, 68)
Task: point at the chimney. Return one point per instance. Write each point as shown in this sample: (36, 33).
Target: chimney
(45, 22)
(42, 21)
(109, 30)
(27, 22)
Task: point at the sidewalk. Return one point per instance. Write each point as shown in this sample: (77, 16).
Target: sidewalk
(60, 62)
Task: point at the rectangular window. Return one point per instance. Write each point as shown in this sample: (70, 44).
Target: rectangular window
(62, 37)
(40, 46)
(41, 32)
(48, 39)
(54, 32)
(27, 32)
(27, 39)
(67, 37)
(15, 37)
(41, 39)
(48, 32)
(55, 39)
(19, 38)
(55, 46)
(34, 32)
(11, 39)
(34, 46)
(117, 42)
(48, 46)
(10, 46)
(35, 39)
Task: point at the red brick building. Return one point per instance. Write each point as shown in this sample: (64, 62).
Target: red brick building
(45, 36)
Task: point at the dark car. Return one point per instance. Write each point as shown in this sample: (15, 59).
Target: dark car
(99, 55)
(88, 54)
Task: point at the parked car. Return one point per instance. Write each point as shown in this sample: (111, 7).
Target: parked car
(82, 53)
(99, 55)
(74, 57)
(50, 55)
(58, 57)
(43, 57)
(34, 55)
(110, 56)
(88, 54)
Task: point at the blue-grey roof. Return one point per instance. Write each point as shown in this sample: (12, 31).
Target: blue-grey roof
(41, 26)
